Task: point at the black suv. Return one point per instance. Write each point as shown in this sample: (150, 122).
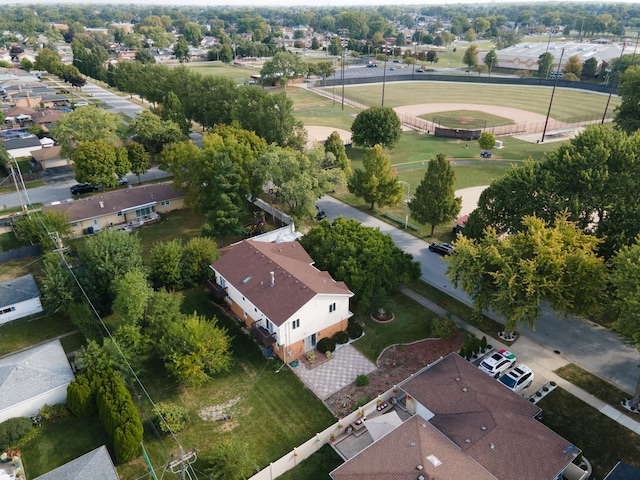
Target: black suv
(442, 248)
(83, 188)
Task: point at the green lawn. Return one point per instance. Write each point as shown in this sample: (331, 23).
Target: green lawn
(316, 467)
(599, 388)
(603, 441)
(567, 104)
(182, 224)
(412, 323)
(468, 119)
(238, 74)
(25, 332)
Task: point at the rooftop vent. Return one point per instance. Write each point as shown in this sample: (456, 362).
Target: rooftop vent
(457, 379)
(246, 280)
(433, 460)
(412, 444)
(464, 389)
(419, 467)
(467, 440)
(492, 446)
(483, 428)
(273, 278)
(420, 477)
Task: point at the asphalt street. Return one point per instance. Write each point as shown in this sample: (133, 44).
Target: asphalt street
(588, 345)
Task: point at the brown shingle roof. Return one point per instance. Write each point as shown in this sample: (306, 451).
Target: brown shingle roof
(396, 456)
(47, 116)
(491, 424)
(48, 153)
(248, 265)
(116, 201)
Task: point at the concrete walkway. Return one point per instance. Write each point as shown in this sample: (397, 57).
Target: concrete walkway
(540, 359)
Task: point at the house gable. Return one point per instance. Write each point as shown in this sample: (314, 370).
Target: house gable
(96, 465)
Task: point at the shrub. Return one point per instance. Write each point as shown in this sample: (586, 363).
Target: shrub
(341, 337)
(483, 342)
(176, 417)
(553, 384)
(80, 398)
(354, 330)
(444, 327)
(13, 430)
(362, 401)
(326, 344)
(362, 380)
(52, 413)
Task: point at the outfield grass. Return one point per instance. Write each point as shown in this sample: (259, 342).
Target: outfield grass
(568, 104)
(603, 441)
(238, 74)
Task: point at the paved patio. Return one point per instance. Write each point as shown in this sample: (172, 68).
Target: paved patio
(343, 368)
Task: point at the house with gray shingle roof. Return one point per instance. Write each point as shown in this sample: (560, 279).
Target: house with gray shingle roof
(95, 465)
(33, 378)
(277, 292)
(19, 297)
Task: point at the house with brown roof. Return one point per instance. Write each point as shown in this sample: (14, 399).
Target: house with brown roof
(49, 157)
(464, 425)
(125, 209)
(288, 304)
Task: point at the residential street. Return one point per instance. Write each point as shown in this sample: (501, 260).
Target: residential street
(590, 346)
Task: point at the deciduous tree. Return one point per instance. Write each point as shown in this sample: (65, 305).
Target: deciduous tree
(470, 57)
(181, 50)
(284, 66)
(435, 201)
(153, 132)
(132, 296)
(98, 162)
(377, 126)
(138, 159)
(86, 124)
(627, 114)
(376, 183)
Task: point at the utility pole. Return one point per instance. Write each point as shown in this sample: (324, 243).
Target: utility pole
(384, 73)
(343, 33)
(555, 84)
(614, 81)
(182, 464)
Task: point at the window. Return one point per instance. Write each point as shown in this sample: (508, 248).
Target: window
(332, 307)
(141, 212)
(296, 323)
(7, 310)
(119, 214)
(165, 203)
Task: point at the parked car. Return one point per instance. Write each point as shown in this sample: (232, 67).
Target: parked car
(392, 68)
(371, 65)
(442, 248)
(320, 215)
(485, 153)
(83, 188)
(123, 181)
(497, 363)
(80, 104)
(517, 378)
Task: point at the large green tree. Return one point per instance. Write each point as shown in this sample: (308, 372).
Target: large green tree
(364, 258)
(154, 133)
(86, 124)
(138, 159)
(59, 291)
(512, 276)
(181, 50)
(334, 145)
(133, 293)
(625, 280)
(284, 66)
(39, 227)
(173, 110)
(470, 57)
(627, 114)
(97, 162)
(545, 63)
(377, 126)
(434, 201)
(376, 183)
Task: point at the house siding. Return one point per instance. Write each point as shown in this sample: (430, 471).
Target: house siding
(32, 406)
(21, 309)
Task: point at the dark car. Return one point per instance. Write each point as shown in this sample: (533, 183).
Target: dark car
(442, 248)
(83, 188)
(320, 215)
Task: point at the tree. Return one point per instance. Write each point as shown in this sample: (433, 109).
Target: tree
(98, 163)
(181, 50)
(545, 63)
(37, 227)
(107, 257)
(470, 57)
(284, 66)
(364, 258)
(335, 47)
(435, 201)
(192, 33)
(377, 126)
(325, 69)
(144, 55)
(132, 294)
(57, 285)
(231, 460)
(487, 140)
(315, 44)
(377, 182)
(166, 264)
(542, 262)
(86, 124)
(153, 132)
(334, 145)
(625, 280)
(432, 56)
(199, 254)
(226, 53)
(195, 350)
(491, 59)
(590, 68)
(26, 64)
(573, 66)
(173, 110)
(138, 159)
(627, 114)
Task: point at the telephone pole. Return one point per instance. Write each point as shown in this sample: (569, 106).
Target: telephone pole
(182, 464)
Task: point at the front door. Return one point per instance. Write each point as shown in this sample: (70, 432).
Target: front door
(310, 342)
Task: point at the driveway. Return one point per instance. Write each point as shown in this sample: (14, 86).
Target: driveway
(588, 345)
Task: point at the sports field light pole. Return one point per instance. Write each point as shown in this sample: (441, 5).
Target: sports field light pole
(555, 84)
(614, 81)
(406, 201)
(415, 58)
(384, 73)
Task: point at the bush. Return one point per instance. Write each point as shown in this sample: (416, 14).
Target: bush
(354, 330)
(176, 417)
(326, 344)
(80, 398)
(483, 342)
(13, 430)
(52, 413)
(362, 380)
(444, 327)
(341, 337)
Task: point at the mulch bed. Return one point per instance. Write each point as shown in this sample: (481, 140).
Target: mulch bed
(394, 365)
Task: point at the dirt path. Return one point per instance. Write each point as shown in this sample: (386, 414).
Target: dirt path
(318, 133)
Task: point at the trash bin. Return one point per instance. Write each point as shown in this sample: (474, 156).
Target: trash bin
(90, 230)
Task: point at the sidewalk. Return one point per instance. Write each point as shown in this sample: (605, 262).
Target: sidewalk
(542, 361)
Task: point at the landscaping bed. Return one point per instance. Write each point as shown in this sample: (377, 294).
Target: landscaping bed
(395, 364)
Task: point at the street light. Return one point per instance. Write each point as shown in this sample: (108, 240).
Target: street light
(406, 201)
(415, 58)
(384, 73)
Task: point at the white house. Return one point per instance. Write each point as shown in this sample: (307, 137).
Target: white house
(32, 378)
(19, 297)
(96, 465)
(278, 293)
(22, 146)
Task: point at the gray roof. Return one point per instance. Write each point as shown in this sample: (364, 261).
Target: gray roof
(623, 471)
(96, 465)
(33, 372)
(18, 290)
(15, 143)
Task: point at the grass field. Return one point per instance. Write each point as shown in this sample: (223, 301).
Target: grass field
(238, 74)
(467, 119)
(567, 104)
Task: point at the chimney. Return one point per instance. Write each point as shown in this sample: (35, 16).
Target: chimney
(273, 278)
(101, 204)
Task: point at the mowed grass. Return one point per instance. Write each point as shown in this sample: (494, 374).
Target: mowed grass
(239, 74)
(30, 331)
(602, 441)
(467, 119)
(313, 109)
(568, 104)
